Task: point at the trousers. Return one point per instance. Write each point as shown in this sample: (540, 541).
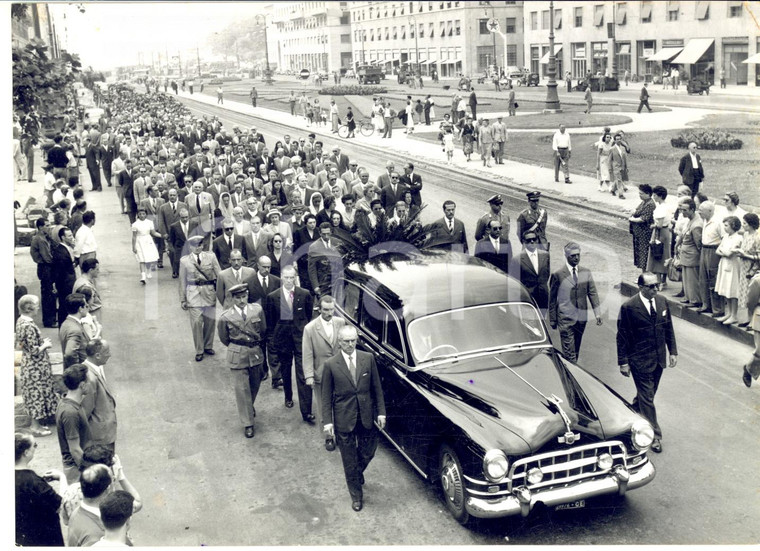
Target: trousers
(646, 388)
(47, 297)
(357, 448)
(286, 360)
(246, 382)
(571, 337)
(562, 159)
(708, 272)
(202, 322)
(690, 276)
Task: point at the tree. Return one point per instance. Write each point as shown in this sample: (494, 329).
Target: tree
(42, 83)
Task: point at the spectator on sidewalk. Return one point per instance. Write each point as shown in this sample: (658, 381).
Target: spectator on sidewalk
(41, 251)
(511, 103)
(691, 170)
(644, 98)
(640, 226)
(562, 148)
(689, 247)
(749, 253)
(500, 135)
(661, 232)
(86, 246)
(485, 141)
(752, 368)
(712, 234)
(589, 100)
(71, 421)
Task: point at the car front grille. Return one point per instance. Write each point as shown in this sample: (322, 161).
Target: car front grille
(566, 466)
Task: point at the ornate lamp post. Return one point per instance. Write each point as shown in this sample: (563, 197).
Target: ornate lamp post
(323, 61)
(552, 104)
(268, 71)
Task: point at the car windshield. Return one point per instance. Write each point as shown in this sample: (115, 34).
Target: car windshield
(473, 329)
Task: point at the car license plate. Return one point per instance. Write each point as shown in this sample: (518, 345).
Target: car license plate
(580, 504)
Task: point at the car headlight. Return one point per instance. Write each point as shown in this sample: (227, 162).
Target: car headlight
(642, 435)
(495, 465)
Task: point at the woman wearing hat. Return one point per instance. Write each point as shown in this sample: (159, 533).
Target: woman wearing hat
(143, 245)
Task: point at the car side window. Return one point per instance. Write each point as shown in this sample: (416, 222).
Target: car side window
(348, 296)
(372, 316)
(393, 335)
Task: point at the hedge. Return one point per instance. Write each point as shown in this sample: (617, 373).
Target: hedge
(706, 139)
(352, 90)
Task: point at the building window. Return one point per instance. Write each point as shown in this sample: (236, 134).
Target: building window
(703, 10)
(483, 26)
(402, 9)
(387, 33)
(431, 30)
(534, 21)
(599, 15)
(535, 57)
(422, 30)
(557, 19)
(599, 57)
(735, 9)
(673, 8)
(430, 6)
(345, 39)
(512, 54)
(578, 51)
(403, 32)
(511, 27)
(344, 19)
(545, 19)
(395, 33)
(442, 26)
(646, 12)
(578, 16)
(485, 57)
(457, 27)
(450, 27)
(372, 35)
(620, 13)
(411, 31)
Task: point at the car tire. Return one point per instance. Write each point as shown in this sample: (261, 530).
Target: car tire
(451, 483)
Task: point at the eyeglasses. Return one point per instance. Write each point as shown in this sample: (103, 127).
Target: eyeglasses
(531, 240)
(229, 229)
(394, 177)
(654, 286)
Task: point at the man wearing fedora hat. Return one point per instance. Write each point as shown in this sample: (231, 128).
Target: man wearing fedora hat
(533, 219)
(496, 213)
(198, 272)
(241, 329)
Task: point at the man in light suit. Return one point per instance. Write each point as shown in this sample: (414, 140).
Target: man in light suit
(352, 399)
(201, 206)
(72, 335)
(256, 242)
(619, 165)
(644, 330)
(198, 272)
(179, 233)
(141, 184)
(448, 232)
(288, 310)
(691, 170)
(99, 404)
(324, 261)
(236, 274)
(320, 342)
(241, 329)
(494, 248)
(168, 215)
(216, 187)
(223, 245)
(571, 288)
(340, 159)
(533, 268)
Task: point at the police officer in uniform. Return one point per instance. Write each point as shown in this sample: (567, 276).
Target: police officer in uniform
(198, 272)
(533, 219)
(241, 328)
(496, 213)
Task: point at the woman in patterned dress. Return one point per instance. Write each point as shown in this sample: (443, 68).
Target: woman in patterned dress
(750, 259)
(661, 232)
(641, 226)
(36, 374)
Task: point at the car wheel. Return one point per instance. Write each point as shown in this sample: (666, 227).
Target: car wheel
(701, 92)
(451, 482)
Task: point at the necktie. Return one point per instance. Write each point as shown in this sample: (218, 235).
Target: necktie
(451, 226)
(352, 368)
(242, 313)
(174, 208)
(652, 311)
(229, 242)
(237, 275)
(198, 203)
(264, 283)
(290, 298)
(198, 259)
(575, 276)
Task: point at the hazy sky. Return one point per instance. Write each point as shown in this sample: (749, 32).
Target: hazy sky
(110, 34)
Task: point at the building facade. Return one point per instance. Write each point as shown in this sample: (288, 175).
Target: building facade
(451, 38)
(650, 38)
(310, 35)
(36, 25)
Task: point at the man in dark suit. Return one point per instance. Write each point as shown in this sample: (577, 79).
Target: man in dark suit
(195, 170)
(267, 160)
(644, 330)
(71, 333)
(223, 245)
(571, 288)
(340, 159)
(168, 215)
(126, 181)
(413, 182)
(64, 274)
(288, 310)
(473, 104)
(494, 248)
(241, 329)
(448, 232)
(644, 99)
(324, 262)
(533, 268)
(385, 179)
(179, 233)
(92, 160)
(99, 404)
(352, 399)
(691, 170)
(260, 285)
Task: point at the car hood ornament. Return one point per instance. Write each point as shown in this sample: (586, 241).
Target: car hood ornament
(553, 403)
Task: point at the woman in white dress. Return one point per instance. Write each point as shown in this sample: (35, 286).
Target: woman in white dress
(409, 117)
(377, 116)
(729, 269)
(143, 246)
(603, 162)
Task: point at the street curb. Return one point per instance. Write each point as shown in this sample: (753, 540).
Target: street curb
(690, 315)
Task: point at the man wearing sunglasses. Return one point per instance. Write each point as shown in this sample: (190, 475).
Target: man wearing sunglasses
(645, 329)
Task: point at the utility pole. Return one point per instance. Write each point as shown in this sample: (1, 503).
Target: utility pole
(198, 56)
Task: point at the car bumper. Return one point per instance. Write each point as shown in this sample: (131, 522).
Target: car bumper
(522, 502)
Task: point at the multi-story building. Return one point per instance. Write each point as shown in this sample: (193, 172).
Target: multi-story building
(701, 38)
(36, 24)
(310, 35)
(451, 38)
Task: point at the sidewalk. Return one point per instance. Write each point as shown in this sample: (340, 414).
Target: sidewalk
(514, 175)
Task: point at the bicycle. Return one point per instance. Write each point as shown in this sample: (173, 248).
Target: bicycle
(364, 126)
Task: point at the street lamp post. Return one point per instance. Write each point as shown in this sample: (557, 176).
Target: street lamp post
(413, 21)
(552, 99)
(268, 71)
(323, 61)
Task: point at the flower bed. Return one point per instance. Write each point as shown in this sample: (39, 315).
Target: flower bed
(706, 139)
(352, 90)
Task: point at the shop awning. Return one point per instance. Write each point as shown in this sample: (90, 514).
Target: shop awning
(557, 50)
(695, 49)
(753, 59)
(665, 54)
(625, 49)
(620, 14)
(646, 11)
(394, 59)
(452, 61)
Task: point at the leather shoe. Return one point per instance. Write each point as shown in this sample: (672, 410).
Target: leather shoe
(265, 376)
(288, 403)
(209, 351)
(309, 418)
(249, 432)
(198, 357)
(704, 310)
(330, 445)
(717, 314)
(356, 505)
(276, 383)
(747, 378)
(175, 276)
(695, 305)
(679, 295)
(685, 301)
(657, 446)
(361, 479)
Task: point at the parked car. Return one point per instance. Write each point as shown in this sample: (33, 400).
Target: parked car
(478, 400)
(698, 86)
(216, 80)
(369, 74)
(612, 84)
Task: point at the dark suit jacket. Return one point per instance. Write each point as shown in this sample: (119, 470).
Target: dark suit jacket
(342, 162)
(222, 249)
(63, 270)
(321, 264)
(484, 250)
(178, 239)
(269, 162)
(345, 402)
(415, 185)
(256, 293)
(196, 170)
(285, 325)
(389, 198)
(537, 284)
(640, 341)
(442, 238)
(568, 302)
(688, 174)
(168, 216)
(126, 181)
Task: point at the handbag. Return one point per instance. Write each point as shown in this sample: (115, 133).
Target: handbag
(517, 105)
(674, 271)
(658, 249)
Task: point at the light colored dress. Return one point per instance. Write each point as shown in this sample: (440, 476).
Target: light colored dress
(729, 268)
(604, 162)
(377, 118)
(146, 248)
